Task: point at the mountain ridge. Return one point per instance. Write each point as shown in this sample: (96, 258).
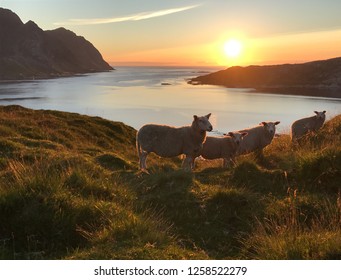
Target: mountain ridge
(27, 51)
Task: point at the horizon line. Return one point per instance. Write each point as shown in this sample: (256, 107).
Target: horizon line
(172, 64)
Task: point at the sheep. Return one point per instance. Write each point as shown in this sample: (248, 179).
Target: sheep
(258, 138)
(303, 126)
(223, 147)
(168, 141)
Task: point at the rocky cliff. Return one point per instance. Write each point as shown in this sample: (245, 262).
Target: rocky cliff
(27, 52)
(317, 78)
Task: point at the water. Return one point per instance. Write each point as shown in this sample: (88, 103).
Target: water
(139, 95)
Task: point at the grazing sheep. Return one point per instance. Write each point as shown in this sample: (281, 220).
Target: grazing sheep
(167, 141)
(303, 126)
(223, 147)
(258, 138)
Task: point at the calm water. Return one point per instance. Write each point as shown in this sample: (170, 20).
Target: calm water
(135, 96)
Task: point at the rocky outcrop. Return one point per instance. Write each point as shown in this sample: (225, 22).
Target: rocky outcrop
(317, 78)
(26, 51)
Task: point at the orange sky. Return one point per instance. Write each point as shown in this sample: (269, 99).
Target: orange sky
(290, 48)
(193, 32)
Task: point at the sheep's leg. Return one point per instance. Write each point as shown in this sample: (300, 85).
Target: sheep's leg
(229, 162)
(193, 163)
(143, 158)
(295, 144)
(259, 154)
(233, 161)
(187, 163)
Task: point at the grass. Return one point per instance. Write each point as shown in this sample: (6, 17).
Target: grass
(70, 189)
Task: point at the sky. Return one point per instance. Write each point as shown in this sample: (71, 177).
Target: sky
(194, 32)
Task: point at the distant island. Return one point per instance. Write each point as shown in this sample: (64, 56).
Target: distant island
(317, 78)
(28, 52)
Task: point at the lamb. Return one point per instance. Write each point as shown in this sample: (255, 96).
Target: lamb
(257, 138)
(167, 141)
(303, 126)
(223, 147)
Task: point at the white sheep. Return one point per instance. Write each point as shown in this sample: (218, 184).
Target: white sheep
(223, 147)
(168, 141)
(257, 138)
(303, 126)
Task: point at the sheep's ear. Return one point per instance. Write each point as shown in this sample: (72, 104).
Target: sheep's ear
(316, 112)
(195, 117)
(324, 112)
(230, 134)
(208, 115)
(244, 134)
(263, 123)
(276, 123)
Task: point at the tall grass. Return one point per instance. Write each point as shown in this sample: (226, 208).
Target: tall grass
(70, 189)
(296, 230)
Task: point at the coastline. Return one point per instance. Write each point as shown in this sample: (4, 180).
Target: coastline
(327, 92)
(50, 76)
(312, 91)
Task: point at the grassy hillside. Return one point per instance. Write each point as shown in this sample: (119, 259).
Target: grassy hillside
(70, 189)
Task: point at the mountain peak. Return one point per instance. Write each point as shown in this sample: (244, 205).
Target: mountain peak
(27, 51)
(32, 24)
(8, 19)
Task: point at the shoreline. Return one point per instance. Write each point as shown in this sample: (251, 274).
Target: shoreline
(328, 92)
(50, 76)
(309, 91)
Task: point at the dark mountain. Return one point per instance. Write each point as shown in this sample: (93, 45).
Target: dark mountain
(26, 51)
(317, 78)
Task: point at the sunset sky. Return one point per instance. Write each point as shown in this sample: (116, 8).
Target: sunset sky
(195, 32)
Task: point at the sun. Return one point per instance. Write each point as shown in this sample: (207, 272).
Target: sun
(232, 48)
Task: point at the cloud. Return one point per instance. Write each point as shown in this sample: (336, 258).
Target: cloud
(135, 17)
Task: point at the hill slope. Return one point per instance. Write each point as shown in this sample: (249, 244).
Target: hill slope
(70, 189)
(320, 78)
(27, 51)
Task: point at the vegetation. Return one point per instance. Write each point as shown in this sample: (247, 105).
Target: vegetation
(70, 189)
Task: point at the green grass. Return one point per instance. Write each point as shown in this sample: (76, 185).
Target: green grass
(70, 189)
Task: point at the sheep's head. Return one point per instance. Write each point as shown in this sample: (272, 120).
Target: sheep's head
(237, 136)
(320, 115)
(270, 127)
(203, 123)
